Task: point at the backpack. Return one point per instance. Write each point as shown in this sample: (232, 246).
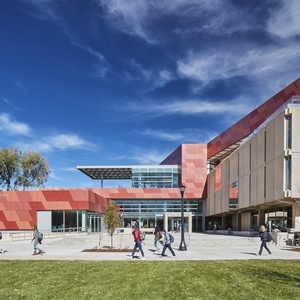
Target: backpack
(142, 236)
(40, 237)
(171, 238)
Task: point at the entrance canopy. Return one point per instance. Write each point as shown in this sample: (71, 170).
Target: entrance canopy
(107, 172)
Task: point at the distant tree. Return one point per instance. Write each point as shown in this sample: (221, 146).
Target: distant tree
(111, 221)
(34, 170)
(22, 170)
(9, 167)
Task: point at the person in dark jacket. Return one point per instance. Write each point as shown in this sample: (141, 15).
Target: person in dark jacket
(138, 243)
(167, 244)
(264, 238)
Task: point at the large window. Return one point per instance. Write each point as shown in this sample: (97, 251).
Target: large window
(288, 175)
(288, 126)
(155, 177)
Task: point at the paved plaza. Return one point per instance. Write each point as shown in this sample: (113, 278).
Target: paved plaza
(200, 246)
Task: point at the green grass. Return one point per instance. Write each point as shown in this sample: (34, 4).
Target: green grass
(259, 279)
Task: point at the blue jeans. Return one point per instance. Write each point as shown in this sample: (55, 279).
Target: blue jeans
(35, 247)
(137, 245)
(169, 247)
(157, 245)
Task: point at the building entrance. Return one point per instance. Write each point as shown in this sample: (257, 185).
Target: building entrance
(172, 220)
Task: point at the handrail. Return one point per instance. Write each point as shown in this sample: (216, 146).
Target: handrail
(47, 234)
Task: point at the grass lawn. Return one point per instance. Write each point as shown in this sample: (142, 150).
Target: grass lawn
(250, 279)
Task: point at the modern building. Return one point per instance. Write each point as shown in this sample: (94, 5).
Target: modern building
(247, 176)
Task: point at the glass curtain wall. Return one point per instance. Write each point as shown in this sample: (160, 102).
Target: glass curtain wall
(76, 220)
(151, 212)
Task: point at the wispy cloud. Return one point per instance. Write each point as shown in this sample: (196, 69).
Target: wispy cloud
(100, 66)
(64, 142)
(187, 135)
(284, 21)
(154, 78)
(8, 126)
(258, 63)
(147, 156)
(148, 109)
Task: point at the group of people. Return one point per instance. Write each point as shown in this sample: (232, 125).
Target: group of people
(157, 237)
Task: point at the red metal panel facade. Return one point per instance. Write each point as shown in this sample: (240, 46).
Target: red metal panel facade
(18, 209)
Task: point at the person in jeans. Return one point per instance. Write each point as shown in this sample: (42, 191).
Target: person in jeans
(137, 241)
(167, 244)
(157, 237)
(263, 237)
(36, 241)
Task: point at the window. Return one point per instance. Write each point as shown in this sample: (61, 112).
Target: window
(288, 175)
(288, 124)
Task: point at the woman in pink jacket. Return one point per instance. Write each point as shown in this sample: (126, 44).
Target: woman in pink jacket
(137, 241)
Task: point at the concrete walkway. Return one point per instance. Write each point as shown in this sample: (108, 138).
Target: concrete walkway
(200, 247)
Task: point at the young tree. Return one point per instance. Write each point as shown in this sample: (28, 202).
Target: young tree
(35, 170)
(21, 169)
(111, 221)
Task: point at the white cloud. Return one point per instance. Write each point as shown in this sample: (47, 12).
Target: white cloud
(66, 141)
(285, 21)
(188, 135)
(63, 142)
(153, 78)
(11, 127)
(147, 156)
(148, 109)
(140, 17)
(260, 63)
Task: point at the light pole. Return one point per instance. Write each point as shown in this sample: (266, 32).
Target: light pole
(182, 246)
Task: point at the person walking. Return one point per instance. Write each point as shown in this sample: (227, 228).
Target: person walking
(138, 243)
(167, 244)
(35, 241)
(157, 237)
(264, 238)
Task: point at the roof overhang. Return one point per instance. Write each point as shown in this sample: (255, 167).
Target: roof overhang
(106, 172)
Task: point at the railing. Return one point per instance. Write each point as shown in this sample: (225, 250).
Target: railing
(54, 233)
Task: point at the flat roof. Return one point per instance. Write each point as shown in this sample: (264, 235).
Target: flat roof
(115, 172)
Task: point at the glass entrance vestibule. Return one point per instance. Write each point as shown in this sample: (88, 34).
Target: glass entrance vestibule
(151, 213)
(70, 220)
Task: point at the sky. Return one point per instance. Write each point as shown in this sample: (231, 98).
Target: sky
(114, 82)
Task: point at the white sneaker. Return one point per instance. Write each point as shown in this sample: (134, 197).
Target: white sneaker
(130, 257)
(143, 258)
(174, 256)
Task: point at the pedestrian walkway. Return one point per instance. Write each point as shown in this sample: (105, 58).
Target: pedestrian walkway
(199, 247)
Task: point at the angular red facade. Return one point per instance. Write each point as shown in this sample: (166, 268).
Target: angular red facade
(18, 209)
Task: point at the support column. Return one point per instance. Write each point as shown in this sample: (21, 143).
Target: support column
(296, 216)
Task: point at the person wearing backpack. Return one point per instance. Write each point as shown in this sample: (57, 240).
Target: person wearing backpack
(167, 243)
(138, 243)
(264, 238)
(157, 237)
(35, 240)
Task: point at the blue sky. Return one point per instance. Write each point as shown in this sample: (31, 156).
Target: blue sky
(95, 82)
